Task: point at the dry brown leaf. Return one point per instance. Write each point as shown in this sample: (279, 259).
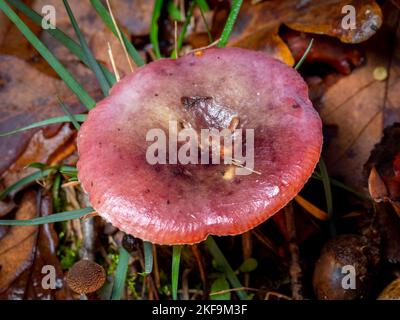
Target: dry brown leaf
(134, 15)
(27, 96)
(17, 246)
(362, 106)
(29, 254)
(258, 25)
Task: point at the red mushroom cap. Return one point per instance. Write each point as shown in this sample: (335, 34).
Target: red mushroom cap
(183, 204)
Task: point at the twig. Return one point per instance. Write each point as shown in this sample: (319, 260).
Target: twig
(247, 251)
(295, 269)
(206, 47)
(88, 248)
(110, 54)
(176, 38)
(119, 35)
(202, 269)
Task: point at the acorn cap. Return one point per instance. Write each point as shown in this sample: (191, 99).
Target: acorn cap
(86, 276)
(183, 204)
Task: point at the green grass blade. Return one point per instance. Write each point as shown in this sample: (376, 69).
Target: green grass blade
(203, 5)
(68, 170)
(210, 38)
(25, 181)
(56, 217)
(176, 260)
(63, 38)
(328, 194)
(148, 257)
(69, 114)
(173, 11)
(94, 65)
(182, 34)
(154, 27)
(120, 274)
(60, 119)
(49, 57)
(226, 33)
(103, 13)
(55, 193)
(36, 176)
(224, 264)
(305, 54)
(343, 186)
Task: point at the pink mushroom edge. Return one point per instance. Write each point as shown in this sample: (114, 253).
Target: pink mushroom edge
(182, 204)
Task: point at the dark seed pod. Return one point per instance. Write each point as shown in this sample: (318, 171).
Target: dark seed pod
(130, 243)
(343, 270)
(86, 276)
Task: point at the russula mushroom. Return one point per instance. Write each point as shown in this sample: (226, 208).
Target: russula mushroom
(85, 276)
(217, 89)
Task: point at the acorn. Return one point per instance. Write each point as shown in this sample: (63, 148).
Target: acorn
(391, 292)
(85, 276)
(343, 270)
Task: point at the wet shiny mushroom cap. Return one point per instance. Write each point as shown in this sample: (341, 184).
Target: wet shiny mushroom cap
(217, 89)
(85, 277)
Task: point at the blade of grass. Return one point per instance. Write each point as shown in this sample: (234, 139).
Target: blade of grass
(25, 181)
(305, 54)
(55, 193)
(68, 170)
(69, 80)
(56, 217)
(103, 13)
(341, 185)
(210, 38)
(328, 194)
(224, 264)
(63, 38)
(36, 176)
(69, 114)
(176, 260)
(173, 11)
(94, 65)
(226, 33)
(120, 274)
(60, 119)
(154, 27)
(203, 5)
(182, 34)
(148, 257)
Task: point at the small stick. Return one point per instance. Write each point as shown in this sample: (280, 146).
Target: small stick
(110, 54)
(206, 47)
(70, 184)
(176, 38)
(295, 269)
(238, 164)
(202, 269)
(119, 35)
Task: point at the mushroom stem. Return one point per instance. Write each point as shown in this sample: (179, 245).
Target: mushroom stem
(83, 297)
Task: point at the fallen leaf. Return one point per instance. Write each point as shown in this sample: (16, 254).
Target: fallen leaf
(17, 246)
(258, 25)
(27, 96)
(26, 283)
(362, 106)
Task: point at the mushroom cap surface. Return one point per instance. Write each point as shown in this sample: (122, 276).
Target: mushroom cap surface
(183, 204)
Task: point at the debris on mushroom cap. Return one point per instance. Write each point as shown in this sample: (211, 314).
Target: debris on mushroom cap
(183, 204)
(86, 276)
